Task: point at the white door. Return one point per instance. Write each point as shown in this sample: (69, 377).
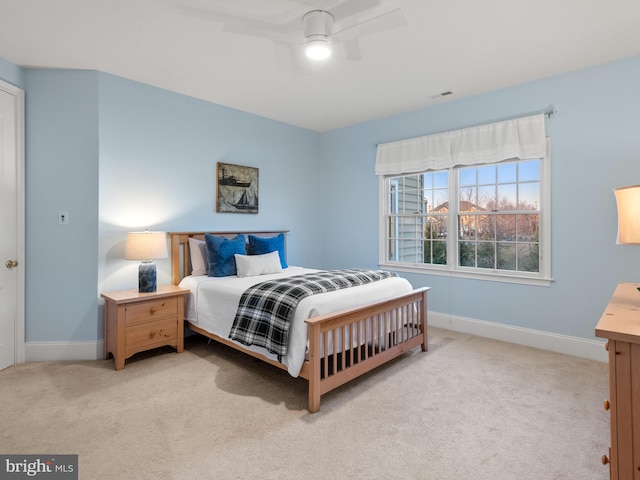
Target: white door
(12, 226)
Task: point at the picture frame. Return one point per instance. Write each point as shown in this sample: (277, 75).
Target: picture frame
(236, 188)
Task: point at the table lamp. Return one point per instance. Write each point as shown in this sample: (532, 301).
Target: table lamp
(146, 246)
(628, 201)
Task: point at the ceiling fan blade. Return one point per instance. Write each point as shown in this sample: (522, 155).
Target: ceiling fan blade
(352, 7)
(259, 31)
(201, 13)
(310, 3)
(246, 26)
(386, 21)
(352, 49)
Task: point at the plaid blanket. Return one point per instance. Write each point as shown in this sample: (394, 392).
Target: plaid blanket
(266, 310)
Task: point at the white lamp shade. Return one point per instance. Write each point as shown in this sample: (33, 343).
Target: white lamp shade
(145, 246)
(628, 200)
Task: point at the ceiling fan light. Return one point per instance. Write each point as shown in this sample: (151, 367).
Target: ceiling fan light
(317, 49)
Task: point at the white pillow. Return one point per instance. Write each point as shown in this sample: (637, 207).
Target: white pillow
(252, 265)
(198, 253)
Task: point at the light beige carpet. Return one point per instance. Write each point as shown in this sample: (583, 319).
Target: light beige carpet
(470, 408)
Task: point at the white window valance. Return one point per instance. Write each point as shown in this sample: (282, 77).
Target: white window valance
(522, 138)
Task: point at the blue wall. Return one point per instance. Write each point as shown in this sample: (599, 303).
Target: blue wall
(595, 147)
(61, 170)
(158, 154)
(11, 73)
(120, 155)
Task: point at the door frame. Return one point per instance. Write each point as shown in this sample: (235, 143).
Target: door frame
(19, 341)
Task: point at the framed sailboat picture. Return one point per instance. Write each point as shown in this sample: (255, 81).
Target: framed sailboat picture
(236, 188)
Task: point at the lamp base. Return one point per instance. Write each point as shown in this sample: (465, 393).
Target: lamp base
(147, 277)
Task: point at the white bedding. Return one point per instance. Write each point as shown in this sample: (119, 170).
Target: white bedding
(213, 303)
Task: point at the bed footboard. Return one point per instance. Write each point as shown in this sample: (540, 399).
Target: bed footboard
(383, 331)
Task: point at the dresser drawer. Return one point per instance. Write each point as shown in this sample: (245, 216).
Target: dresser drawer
(144, 335)
(150, 310)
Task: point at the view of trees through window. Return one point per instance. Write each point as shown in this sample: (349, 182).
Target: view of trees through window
(496, 215)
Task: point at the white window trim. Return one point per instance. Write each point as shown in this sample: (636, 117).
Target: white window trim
(543, 278)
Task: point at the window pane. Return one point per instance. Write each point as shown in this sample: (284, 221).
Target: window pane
(468, 199)
(427, 251)
(486, 227)
(487, 175)
(436, 227)
(486, 255)
(506, 227)
(440, 199)
(528, 228)
(486, 198)
(529, 196)
(410, 182)
(529, 171)
(507, 197)
(467, 254)
(435, 252)
(440, 180)
(528, 257)
(507, 173)
(428, 180)
(440, 253)
(506, 256)
(430, 229)
(412, 227)
(409, 251)
(467, 227)
(467, 176)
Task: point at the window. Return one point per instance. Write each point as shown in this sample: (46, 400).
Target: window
(489, 221)
(473, 202)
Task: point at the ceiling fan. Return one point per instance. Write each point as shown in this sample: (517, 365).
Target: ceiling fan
(320, 27)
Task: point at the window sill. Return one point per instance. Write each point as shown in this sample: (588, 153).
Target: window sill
(490, 276)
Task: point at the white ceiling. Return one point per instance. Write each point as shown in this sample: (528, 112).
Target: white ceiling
(465, 46)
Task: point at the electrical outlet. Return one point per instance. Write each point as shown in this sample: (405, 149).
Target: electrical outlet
(63, 217)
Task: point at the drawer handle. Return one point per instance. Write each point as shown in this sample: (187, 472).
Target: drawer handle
(153, 310)
(607, 405)
(606, 346)
(605, 459)
(152, 333)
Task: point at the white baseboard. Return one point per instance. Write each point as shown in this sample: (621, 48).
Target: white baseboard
(578, 347)
(57, 351)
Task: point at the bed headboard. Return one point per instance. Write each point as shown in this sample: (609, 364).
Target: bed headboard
(180, 259)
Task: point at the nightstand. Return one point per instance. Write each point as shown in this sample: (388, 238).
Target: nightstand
(135, 322)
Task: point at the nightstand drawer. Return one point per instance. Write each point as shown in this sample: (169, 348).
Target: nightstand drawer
(150, 310)
(146, 334)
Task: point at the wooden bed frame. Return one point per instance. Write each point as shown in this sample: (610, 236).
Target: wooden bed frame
(401, 321)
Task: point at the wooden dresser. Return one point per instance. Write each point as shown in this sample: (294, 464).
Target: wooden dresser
(620, 324)
(135, 322)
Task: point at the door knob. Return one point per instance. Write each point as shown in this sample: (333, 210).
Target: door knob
(11, 263)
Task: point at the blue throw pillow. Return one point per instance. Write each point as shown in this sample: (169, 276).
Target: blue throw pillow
(260, 246)
(221, 251)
